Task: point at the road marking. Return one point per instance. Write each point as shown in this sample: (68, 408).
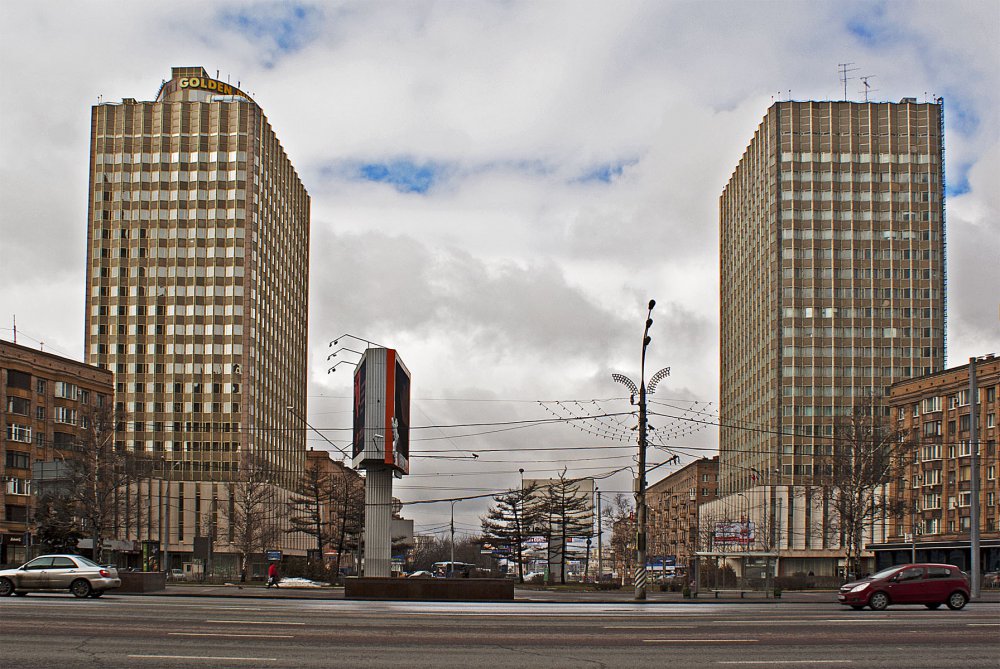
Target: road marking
(983, 624)
(700, 640)
(228, 635)
(784, 662)
(650, 627)
(252, 622)
(202, 657)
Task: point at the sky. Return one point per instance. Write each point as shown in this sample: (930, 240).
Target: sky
(533, 172)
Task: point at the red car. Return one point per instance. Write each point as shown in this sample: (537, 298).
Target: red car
(929, 584)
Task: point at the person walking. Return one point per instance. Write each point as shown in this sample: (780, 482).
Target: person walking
(272, 575)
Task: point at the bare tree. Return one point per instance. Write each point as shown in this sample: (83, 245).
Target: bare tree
(511, 519)
(98, 472)
(347, 512)
(252, 509)
(621, 516)
(867, 454)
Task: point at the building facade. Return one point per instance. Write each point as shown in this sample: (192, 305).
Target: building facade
(673, 513)
(936, 489)
(197, 283)
(832, 253)
(45, 403)
(197, 288)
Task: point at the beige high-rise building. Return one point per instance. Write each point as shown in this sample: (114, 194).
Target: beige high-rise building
(198, 280)
(832, 253)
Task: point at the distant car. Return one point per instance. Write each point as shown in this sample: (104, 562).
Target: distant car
(75, 573)
(176, 575)
(991, 579)
(929, 584)
(534, 576)
(420, 574)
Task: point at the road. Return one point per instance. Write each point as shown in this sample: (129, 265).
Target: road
(156, 631)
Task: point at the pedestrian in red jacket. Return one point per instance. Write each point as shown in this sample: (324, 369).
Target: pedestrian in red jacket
(272, 575)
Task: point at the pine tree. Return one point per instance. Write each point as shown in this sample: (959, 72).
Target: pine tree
(511, 520)
(308, 505)
(567, 513)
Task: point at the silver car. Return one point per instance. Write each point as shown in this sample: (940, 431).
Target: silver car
(82, 577)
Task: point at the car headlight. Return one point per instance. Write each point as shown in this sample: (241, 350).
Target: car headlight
(859, 588)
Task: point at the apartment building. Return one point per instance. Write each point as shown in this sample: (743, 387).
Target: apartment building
(46, 401)
(935, 411)
(673, 514)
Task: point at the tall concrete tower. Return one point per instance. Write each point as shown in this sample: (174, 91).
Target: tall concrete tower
(832, 252)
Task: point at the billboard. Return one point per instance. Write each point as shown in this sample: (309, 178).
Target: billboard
(382, 410)
(740, 533)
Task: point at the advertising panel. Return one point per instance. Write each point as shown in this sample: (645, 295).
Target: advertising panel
(382, 410)
(740, 533)
(360, 387)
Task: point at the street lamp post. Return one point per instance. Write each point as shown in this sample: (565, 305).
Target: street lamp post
(640, 486)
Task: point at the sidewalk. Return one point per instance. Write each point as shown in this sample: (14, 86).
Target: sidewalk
(623, 596)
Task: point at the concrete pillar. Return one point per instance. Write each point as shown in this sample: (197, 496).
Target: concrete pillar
(378, 521)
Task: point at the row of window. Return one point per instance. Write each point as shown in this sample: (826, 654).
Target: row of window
(173, 157)
(860, 312)
(864, 293)
(896, 273)
(827, 157)
(847, 176)
(866, 215)
(808, 253)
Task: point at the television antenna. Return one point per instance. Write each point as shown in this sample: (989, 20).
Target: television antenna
(846, 68)
(866, 87)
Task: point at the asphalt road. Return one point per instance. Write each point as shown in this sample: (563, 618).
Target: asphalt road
(156, 631)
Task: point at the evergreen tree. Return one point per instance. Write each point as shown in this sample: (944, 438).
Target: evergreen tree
(309, 506)
(567, 513)
(511, 520)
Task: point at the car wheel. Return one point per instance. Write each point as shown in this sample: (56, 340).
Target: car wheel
(6, 587)
(878, 601)
(96, 593)
(80, 588)
(935, 605)
(957, 600)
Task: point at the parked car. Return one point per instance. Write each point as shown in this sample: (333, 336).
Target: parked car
(423, 573)
(176, 575)
(991, 579)
(929, 584)
(75, 573)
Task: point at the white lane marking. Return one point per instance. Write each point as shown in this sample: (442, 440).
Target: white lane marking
(230, 636)
(983, 624)
(252, 622)
(769, 662)
(650, 627)
(204, 658)
(700, 640)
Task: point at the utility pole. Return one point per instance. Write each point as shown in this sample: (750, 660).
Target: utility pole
(974, 501)
(451, 567)
(600, 544)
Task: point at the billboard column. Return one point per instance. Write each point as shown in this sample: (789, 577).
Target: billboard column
(378, 521)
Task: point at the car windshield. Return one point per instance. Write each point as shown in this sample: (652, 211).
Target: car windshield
(883, 573)
(85, 562)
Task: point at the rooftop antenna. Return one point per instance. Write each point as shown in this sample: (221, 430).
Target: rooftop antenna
(867, 88)
(15, 328)
(845, 68)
